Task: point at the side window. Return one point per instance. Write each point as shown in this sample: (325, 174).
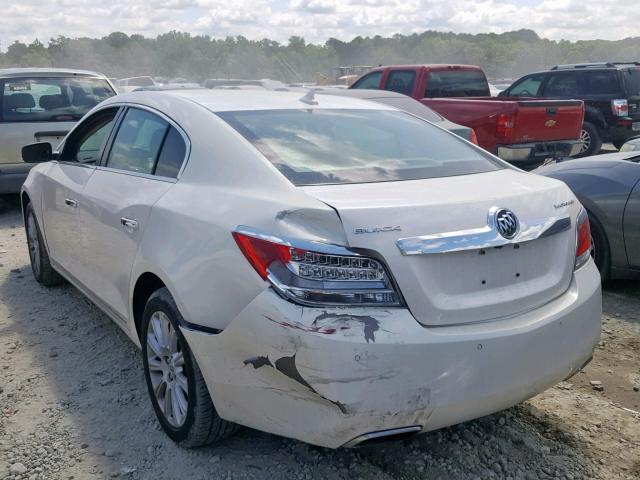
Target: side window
(528, 87)
(87, 141)
(600, 83)
(370, 81)
(562, 85)
(172, 155)
(401, 81)
(138, 141)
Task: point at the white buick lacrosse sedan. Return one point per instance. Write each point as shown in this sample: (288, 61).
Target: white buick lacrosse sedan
(325, 268)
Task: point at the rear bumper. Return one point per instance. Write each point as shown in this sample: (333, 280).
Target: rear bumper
(12, 176)
(531, 155)
(329, 376)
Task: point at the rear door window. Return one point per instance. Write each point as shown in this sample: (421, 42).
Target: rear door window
(138, 142)
(401, 81)
(600, 83)
(57, 99)
(457, 83)
(172, 155)
(371, 81)
(527, 87)
(564, 85)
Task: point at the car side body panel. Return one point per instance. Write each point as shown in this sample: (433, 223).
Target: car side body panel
(632, 227)
(603, 184)
(203, 209)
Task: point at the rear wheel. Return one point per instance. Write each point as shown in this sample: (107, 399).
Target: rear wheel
(177, 389)
(40, 263)
(600, 248)
(590, 139)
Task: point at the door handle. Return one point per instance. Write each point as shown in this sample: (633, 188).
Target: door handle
(71, 202)
(129, 223)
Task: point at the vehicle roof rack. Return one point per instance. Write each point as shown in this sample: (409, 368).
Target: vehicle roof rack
(636, 64)
(570, 66)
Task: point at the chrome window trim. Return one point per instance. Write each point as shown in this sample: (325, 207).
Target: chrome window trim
(483, 237)
(167, 119)
(162, 115)
(75, 164)
(137, 174)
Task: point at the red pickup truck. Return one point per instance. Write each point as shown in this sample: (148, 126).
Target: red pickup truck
(522, 131)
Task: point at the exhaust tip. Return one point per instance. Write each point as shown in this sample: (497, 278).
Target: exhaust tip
(383, 436)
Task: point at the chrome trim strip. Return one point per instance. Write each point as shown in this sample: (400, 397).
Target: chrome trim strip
(316, 246)
(484, 237)
(120, 104)
(381, 434)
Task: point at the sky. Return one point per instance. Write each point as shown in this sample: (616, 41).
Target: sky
(315, 20)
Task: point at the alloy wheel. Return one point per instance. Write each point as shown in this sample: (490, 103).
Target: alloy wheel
(33, 243)
(585, 139)
(165, 359)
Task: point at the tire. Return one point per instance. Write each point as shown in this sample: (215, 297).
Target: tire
(40, 263)
(196, 422)
(592, 140)
(600, 251)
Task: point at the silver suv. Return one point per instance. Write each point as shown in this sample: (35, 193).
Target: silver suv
(41, 105)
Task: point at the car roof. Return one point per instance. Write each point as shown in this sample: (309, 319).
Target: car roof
(401, 101)
(360, 93)
(47, 72)
(235, 100)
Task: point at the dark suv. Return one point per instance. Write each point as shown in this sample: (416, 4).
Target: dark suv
(611, 95)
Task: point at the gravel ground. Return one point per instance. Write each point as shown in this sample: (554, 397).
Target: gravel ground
(73, 406)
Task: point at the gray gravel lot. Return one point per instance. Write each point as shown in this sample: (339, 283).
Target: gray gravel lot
(73, 406)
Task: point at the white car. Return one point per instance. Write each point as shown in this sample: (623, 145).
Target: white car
(328, 269)
(41, 105)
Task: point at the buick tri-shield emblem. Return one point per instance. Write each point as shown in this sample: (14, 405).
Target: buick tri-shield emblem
(506, 223)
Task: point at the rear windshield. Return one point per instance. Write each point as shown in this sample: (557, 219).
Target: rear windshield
(633, 80)
(457, 83)
(334, 146)
(58, 99)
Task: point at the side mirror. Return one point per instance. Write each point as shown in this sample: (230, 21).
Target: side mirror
(37, 152)
(503, 93)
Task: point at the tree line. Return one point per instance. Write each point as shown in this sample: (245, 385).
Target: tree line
(197, 57)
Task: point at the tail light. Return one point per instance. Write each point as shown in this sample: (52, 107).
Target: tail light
(620, 108)
(473, 138)
(312, 273)
(505, 125)
(583, 239)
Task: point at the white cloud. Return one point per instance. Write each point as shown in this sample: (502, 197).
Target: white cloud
(316, 20)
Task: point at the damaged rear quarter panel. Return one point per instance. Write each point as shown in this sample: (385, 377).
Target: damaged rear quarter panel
(314, 366)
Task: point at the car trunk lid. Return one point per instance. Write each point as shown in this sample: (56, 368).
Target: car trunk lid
(469, 285)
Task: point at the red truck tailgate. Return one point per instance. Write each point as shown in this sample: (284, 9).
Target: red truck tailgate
(539, 120)
(498, 121)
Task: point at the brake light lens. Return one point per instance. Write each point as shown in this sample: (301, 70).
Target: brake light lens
(583, 239)
(620, 108)
(335, 276)
(261, 253)
(505, 125)
(473, 138)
